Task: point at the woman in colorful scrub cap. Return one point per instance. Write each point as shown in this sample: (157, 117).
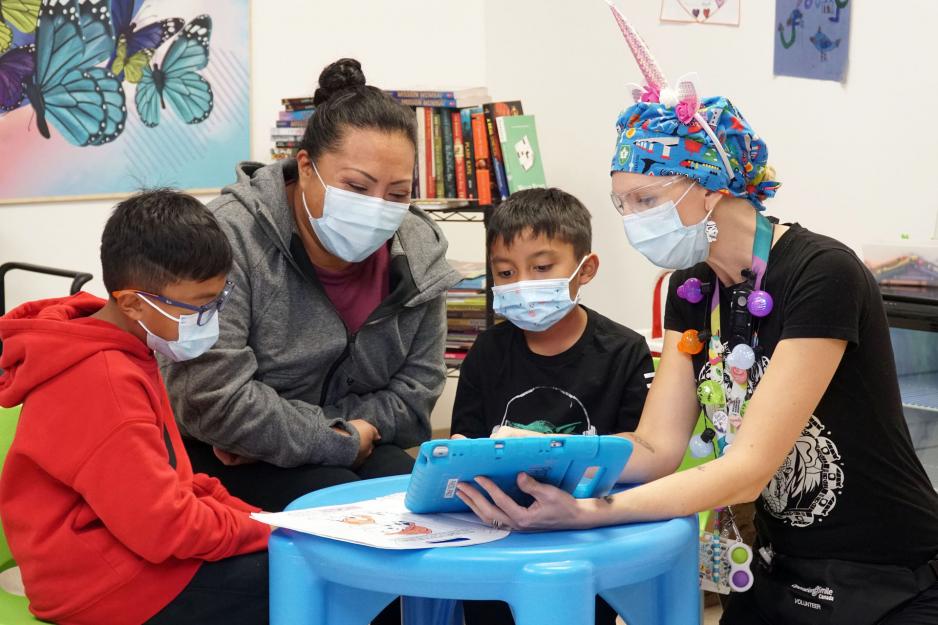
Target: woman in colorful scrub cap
(781, 359)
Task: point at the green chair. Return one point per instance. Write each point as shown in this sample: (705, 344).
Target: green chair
(14, 610)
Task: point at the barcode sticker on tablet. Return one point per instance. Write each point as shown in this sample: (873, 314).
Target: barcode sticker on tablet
(450, 491)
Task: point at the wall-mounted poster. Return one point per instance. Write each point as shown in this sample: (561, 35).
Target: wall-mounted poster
(812, 38)
(103, 97)
(722, 12)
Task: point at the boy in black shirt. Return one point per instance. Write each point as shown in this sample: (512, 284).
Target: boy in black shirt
(554, 366)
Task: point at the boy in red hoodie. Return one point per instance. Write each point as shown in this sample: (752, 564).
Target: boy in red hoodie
(98, 500)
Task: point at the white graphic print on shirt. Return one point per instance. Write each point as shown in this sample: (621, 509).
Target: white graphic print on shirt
(804, 489)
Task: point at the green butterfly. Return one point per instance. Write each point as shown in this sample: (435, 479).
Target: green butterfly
(23, 14)
(135, 46)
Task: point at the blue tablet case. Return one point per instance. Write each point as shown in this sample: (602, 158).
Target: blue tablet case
(557, 460)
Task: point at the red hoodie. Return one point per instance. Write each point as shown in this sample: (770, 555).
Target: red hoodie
(98, 500)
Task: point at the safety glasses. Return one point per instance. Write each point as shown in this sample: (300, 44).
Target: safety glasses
(650, 195)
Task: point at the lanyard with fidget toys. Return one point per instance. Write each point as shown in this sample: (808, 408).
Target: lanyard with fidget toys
(725, 559)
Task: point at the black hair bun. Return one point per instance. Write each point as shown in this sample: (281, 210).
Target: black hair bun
(338, 76)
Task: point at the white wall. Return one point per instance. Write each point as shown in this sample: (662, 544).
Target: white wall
(290, 45)
(856, 160)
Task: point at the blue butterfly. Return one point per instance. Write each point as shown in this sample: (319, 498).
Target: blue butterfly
(177, 81)
(84, 103)
(134, 47)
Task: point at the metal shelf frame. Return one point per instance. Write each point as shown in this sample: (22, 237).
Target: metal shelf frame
(469, 214)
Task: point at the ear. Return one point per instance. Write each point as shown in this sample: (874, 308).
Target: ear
(589, 269)
(130, 305)
(711, 199)
(304, 165)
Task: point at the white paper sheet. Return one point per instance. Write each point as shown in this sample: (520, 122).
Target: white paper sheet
(385, 523)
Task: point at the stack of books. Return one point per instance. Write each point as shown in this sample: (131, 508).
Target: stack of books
(471, 148)
(465, 311)
(290, 126)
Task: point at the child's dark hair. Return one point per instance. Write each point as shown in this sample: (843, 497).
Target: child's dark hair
(344, 100)
(551, 212)
(159, 237)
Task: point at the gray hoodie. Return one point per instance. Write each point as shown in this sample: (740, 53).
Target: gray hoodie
(285, 369)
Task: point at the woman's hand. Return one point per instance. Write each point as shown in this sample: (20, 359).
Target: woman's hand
(552, 509)
(368, 436)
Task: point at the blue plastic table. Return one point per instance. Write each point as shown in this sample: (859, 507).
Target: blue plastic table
(646, 571)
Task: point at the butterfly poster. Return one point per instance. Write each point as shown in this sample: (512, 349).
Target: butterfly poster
(812, 38)
(722, 12)
(104, 97)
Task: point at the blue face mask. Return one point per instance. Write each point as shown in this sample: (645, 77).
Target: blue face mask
(535, 305)
(661, 237)
(353, 226)
(193, 341)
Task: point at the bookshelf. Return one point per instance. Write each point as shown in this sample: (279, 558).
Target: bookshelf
(462, 212)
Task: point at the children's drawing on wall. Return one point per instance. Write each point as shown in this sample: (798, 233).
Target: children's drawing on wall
(812, 38)
(102, 97)
(722, 12)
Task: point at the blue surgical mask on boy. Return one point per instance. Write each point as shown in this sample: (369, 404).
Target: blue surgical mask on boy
(194, 340)
(535, 305)
(353, 226)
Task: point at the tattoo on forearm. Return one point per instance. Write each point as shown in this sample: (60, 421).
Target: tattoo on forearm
(641, 441)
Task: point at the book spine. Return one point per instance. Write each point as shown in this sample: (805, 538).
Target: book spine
(449, 157)
(297, 102)
(438, 154)
(421, 159)
(437, 102)
(286, 144)
(482, 162)
(398, 94)
(291, 116)
(291, 123)
(495, 148)
(459, 156)
(428, 155)
(465, 118)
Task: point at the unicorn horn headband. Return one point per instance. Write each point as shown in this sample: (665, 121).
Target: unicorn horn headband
(684, 100)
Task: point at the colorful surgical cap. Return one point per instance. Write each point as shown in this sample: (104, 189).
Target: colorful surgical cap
(673, 132)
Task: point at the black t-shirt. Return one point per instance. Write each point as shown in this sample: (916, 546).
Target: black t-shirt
(852, 487)
(607, 370)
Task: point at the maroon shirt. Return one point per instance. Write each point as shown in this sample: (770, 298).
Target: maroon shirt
(359, 288)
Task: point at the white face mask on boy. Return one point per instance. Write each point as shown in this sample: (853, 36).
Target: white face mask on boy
(536, 305)
(193, 341)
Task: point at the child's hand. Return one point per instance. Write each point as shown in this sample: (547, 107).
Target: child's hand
(456, 437)
(229, 459)
(506, 431)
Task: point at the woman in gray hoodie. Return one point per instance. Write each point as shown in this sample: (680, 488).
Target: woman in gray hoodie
(330, 357)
